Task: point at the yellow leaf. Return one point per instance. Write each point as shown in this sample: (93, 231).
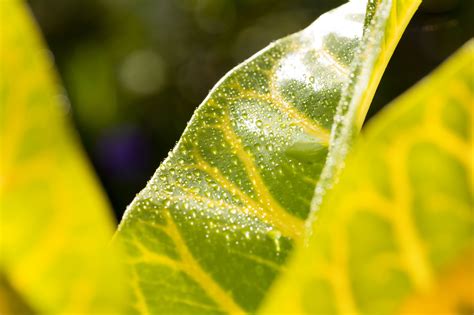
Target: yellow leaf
(395, 233)
(55, 223)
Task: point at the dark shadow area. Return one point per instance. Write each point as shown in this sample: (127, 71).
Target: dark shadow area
(436, 31)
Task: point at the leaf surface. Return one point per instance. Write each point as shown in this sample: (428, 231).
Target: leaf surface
(395, 233)
(215, 224)
(55, 222)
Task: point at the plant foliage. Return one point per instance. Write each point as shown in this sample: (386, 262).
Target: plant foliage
(230, 202)
(264, 167)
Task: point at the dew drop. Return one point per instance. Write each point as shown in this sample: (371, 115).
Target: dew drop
(276, 235)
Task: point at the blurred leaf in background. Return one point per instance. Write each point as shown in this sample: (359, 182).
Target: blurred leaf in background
(395, 235)
(56, 224)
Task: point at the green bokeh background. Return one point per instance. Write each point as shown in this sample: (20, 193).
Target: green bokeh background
(135, 70)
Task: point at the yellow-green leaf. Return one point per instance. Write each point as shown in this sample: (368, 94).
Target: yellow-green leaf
(55, 223)
(395, 234)
(215, 224)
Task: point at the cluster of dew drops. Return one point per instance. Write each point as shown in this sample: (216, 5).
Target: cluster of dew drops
(219, 213)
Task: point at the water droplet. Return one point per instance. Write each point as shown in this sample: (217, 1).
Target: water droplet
(276, 235)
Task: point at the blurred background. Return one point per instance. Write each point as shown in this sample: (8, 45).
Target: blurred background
(135, 70)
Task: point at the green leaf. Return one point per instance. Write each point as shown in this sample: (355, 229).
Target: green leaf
(216, 223)
(395, 233)
(55, 223)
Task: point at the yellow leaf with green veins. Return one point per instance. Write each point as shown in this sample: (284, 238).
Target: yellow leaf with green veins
(55, 223)
(216, 223)
(395, 233)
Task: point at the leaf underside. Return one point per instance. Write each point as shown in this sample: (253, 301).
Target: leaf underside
(395, 233)
(215, 224)
(55, 223)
